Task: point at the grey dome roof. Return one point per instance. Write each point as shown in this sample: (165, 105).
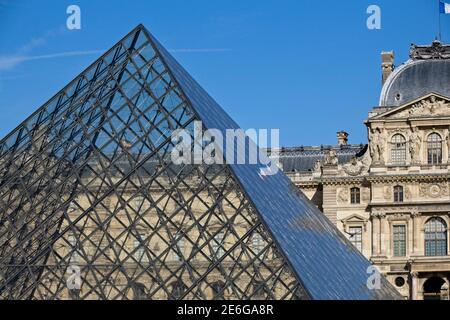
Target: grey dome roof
(427, 71)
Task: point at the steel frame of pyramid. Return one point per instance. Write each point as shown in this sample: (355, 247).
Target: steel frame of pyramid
(91, 206)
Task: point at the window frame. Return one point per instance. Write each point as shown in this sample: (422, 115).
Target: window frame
(435, 244)
(434, 149)
(358, 243)
(217, 245)
(398, 150)
(355, 195)
(180, 248)
(399, 194)
(402, 250)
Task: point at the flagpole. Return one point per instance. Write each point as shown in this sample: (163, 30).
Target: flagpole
(439, 12)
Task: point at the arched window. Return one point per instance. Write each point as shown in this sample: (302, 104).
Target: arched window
(138, 291)
(398, 149)
(433, 289)
(355, 195)
(218, 289)
(218, 245)
(435, 237)
(434, 148)
(260, 291)
(177, 290)
(180, 246)
(398, 194)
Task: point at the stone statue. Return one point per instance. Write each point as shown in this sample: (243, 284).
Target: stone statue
(448, 145)
(331, 158)
(317, 166)
(433, 104)
(415, 143)
(382, 144)
(377, 145)
(373, 141)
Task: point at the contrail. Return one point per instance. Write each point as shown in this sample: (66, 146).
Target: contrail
(9, 62)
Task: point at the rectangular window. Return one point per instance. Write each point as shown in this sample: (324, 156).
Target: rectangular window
(257, 243)
(355, 196)
(73, 249)
(399, 240)
(178, 253)
(139, 253)
(398, 194)
(217, 245)
(356, 237)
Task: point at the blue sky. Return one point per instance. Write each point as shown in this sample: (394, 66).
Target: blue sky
(309, 68)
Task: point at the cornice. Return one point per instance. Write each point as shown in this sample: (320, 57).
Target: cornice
(422, 177)
(368, 179)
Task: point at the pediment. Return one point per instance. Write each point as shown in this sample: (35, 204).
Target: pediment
(354, 218)
(430, 105)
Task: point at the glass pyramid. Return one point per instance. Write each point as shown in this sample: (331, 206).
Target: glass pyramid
(92, 207)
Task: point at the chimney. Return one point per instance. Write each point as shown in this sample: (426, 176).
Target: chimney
(387, 65)
(342, 138)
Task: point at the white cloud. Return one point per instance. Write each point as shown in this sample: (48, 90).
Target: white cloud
(10, 62)
(206, 50)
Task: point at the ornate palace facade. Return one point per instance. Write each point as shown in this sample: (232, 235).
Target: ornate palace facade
(391, 197)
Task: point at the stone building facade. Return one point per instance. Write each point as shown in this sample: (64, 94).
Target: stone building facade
(391, 197)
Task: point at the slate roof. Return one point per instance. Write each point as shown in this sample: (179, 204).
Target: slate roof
(302, 159)
(415, 79)
(427, 70)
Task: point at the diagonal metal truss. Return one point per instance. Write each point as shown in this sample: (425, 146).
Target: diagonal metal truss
(92, 207)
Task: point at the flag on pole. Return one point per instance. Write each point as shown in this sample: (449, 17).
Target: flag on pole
(444, 7)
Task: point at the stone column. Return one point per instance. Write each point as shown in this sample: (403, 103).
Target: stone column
(410, 237)
(445, 290)
(375, 235)
(416, 228)
(414, 285)
(383, 234)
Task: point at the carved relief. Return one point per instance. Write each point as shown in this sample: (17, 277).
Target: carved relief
(398, 216)
(365, 194)
(432, 106)
(434, 190)
(392, 210)
(343, 195)
(354, 168)
(357, 166)
(388, 193)
(436, 51)
(378, 213)
(407, 193)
